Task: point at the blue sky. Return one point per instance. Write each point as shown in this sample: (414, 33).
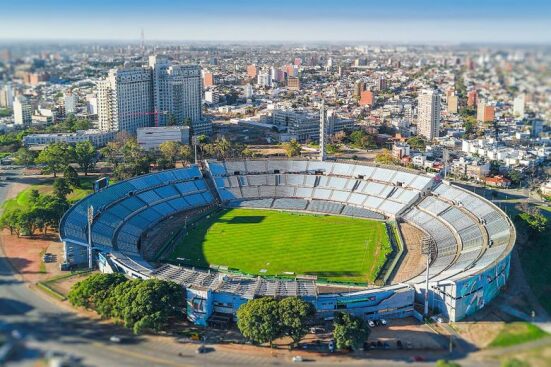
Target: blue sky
(400, 21)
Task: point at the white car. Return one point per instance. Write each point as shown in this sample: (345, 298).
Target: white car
(370, 323)
(297, 359)
(383, 322)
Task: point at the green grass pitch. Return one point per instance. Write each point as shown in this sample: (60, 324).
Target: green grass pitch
(267, 242)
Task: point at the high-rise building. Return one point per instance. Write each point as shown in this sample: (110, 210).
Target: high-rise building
(92, 104)
(248, 91)
(6, 96)
(125, 100)
(22, 111)
(251, 71)
(70, 102)
(293, 83)
(472, 98)
(208, 79)
(518, 105)
(428, 114)
(381, 83)
(366, 98)
(359, 87)
(484, 112)
(264, 79)
(452, 103)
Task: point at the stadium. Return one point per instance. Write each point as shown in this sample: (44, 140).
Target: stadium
(343, 235)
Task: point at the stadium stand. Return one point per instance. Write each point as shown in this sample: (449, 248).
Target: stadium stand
(472, 238)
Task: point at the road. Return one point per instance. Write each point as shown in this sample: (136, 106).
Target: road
(47, 325)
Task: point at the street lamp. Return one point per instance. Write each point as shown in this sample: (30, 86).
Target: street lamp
(427, 248)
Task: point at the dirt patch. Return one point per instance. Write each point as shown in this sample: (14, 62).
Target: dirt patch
(479, 333)
(413, 262)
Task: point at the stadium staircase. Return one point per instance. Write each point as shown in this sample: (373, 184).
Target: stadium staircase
(210, 183)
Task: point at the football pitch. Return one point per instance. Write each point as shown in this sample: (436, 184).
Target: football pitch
(267, 242)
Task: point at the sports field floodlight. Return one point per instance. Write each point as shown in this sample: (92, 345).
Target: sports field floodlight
(427, 248)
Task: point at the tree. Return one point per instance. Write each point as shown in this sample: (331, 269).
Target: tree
(24, 157)
(515, 176)
(94, 290)
(295, 317)
(55, 157)
(71, 176)
(416, 142)
(258, 320)
(350, 332)
(385, 157)
(292, 148)
(536, 222)
(62, 188)
(10, 220)
(85, 156)
(145, 304)
(170, 150)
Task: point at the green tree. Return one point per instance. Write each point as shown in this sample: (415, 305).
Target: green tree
(295, 317)
(536, 222)
(94, 290)
(350, 332)
(55, 157)
(416, 142)
(292, 148)
(258, 320)
(170, 151)
(145, 304)
(62, 188)
(10, 220)
(24, 157)
(71, 176)
(85, 156)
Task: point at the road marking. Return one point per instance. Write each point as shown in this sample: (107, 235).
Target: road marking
(142, 356)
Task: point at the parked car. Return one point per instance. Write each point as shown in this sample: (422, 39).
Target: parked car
(370, 323)
(331, 346)
(297, 359)
(383, 322)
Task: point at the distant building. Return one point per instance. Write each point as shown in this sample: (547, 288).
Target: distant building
(152, 137)
(22, 111)
(484, 112)
(251, 71)
(366, 98)
(359, 87)
(6, 96)
(400, 150)
(518, 105)
(381, 83)
(497, 181)
(452, 104)
(92, 104)
(472, 98)
(97, 137)
(208, 79)
(70, 102)
(249, 91)
(428, 114)
(212, 96)
(293, 83)
(264, 80)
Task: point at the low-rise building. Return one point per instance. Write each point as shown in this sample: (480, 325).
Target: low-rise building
(152, 137)
(97, 137)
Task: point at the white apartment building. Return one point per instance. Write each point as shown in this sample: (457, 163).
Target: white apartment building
(22, 111)
(264, 80)
(125, 100)
(428, 114)
(70, 102)
(518, 105)
(152, 137)
(157, 95)
(97, 137)
(6, 96)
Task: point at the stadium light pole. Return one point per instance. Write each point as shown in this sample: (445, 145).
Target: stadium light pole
(194, 142)
(427, 250)
(90, 221)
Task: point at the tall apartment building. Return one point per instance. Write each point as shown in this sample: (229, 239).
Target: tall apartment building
(251, 71)
(125, 100)
(484, 112)
(472, 98)
(293, 83)
(6, 96)
(208, 79)
(452, 103)
(428, 114)
(367, 98)
(518, 105)
(22, 111)
(70, 102)
(157, 95)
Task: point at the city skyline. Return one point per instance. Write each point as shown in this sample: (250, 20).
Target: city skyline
(305, 21)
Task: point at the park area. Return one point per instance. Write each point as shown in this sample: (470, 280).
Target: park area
(267, 242)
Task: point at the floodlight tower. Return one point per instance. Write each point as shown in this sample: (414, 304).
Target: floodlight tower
(427, 248)
(90, 222)
(323, 130)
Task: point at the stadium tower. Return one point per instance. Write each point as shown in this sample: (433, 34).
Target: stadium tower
(323, 130)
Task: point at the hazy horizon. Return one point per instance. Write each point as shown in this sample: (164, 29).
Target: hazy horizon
(406, 22)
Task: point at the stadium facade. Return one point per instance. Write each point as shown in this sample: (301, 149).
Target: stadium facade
(471, 238)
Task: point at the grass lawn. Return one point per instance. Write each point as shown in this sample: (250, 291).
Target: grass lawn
(46, 187)
(266, 242)
(517, 333)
